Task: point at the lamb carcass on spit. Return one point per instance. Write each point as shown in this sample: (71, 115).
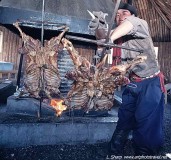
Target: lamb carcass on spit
(41, 72)
(94, 86)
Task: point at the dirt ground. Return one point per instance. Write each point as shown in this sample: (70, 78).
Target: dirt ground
(81, 151)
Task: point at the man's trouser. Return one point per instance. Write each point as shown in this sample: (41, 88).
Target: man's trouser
(141, 111)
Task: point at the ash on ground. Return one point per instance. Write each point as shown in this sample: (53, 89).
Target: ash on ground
(81, 151)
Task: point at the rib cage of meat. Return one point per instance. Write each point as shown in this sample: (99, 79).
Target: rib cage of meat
(94, 86)
(41, 72)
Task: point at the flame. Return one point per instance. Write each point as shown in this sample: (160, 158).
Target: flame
(57, 104)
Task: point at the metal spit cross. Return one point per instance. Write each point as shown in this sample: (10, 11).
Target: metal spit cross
(41, 94)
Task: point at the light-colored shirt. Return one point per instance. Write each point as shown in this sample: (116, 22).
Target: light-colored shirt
(139, 38)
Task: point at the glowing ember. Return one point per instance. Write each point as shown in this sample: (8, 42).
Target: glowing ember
(57, 104)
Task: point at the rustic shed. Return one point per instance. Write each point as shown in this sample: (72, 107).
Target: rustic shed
(157, 14)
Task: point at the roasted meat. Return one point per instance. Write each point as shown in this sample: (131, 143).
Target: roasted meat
(41, 72)
(93, 86)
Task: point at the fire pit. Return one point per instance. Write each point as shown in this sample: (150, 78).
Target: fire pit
(50, 121)
(58, 105)
(20, 126)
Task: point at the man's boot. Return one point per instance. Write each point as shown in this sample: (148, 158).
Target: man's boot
(117, 143)
(144, 151)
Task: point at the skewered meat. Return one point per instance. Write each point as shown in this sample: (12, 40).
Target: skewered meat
(41, 71)
(94, 86)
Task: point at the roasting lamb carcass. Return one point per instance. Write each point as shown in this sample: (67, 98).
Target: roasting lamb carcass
(94, 86)
(41, 72)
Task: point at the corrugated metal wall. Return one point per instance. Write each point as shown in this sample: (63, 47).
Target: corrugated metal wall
(10, 45)
(65, 64)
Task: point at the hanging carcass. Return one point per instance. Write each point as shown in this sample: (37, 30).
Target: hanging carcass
(94, 86)
(41, 70)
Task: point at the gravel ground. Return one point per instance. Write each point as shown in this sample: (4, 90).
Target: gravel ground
(79, 152)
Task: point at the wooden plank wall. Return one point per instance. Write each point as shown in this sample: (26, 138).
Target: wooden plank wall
(12, 41)
(164, 56)
(158, 29)
(87, 52)
(10, 45)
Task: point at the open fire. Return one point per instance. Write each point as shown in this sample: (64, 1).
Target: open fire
(57, 104)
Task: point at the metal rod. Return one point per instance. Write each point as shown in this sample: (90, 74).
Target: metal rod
(110, 26)
(19, 70)
(103, 43)
(46, 23)
(40, 108)
(21, 52)
(42, 31)
(113, 19)
(42, 41)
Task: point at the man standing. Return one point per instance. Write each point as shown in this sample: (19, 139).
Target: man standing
(143, 99)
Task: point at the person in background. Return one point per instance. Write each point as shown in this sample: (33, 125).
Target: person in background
(143, 99)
